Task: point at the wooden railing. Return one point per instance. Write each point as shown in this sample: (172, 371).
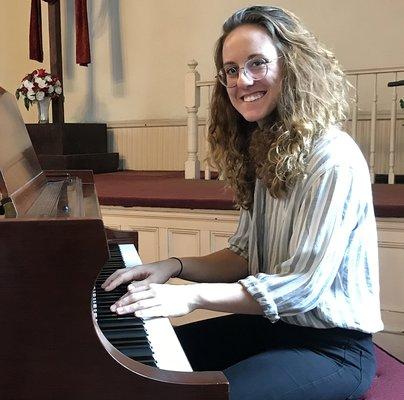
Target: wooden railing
(361, 101)
(375, 74)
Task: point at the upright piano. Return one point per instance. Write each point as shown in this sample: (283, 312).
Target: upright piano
(58, 338)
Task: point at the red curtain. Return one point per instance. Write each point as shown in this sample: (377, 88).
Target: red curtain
(82, 38)
(83, 56)
(35, 32)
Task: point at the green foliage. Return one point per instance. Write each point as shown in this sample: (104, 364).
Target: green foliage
(26, 103)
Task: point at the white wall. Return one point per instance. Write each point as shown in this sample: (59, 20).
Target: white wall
(140, 48)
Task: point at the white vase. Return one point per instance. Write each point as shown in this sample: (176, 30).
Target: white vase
(43, 110)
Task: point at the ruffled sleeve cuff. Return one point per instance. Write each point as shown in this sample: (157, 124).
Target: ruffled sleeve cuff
(238, 250)
(260, 293)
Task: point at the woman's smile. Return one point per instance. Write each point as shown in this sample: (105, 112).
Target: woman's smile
(253, 96)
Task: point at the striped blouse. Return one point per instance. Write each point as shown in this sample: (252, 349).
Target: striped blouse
(312, 256)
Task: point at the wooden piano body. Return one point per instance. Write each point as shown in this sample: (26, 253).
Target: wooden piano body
(51, 345)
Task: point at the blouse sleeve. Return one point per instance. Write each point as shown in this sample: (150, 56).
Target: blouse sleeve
(322, 229)
(239, 241)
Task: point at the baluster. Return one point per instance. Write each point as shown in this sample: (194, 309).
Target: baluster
(393, 119)
(207, 155)
(355, 110)
(373, 132)
(192, 102)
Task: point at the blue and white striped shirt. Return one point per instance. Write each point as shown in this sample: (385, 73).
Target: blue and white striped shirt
(312, 256)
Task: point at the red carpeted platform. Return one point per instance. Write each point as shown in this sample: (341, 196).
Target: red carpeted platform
(161, 189)
(170, 189)
(389, 381)
(388, 200)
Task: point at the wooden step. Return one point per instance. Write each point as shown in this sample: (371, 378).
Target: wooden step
(97, 162)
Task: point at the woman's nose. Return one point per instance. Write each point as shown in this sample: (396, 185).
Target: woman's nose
(243, 78)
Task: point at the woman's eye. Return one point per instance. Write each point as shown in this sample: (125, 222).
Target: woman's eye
(258, 62)
(231, 71)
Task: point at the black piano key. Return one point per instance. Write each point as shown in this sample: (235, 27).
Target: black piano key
(114, 324)
(111, 334)
(120, 343)
(138, 353)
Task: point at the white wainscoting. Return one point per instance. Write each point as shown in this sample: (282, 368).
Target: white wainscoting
(173, 232)
(162, 144)
(152, 144)
(391, 256)
(178, 232)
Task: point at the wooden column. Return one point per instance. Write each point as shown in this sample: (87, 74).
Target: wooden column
(55, 51)
(192, 102)
(373, 120)
(393, 119)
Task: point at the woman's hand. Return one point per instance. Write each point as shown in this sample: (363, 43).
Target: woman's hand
(142, 275)
(156, 300)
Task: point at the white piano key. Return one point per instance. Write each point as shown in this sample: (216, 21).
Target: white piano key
(130, 255)
(166, 347)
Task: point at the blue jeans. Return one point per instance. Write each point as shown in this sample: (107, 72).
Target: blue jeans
(279, 361)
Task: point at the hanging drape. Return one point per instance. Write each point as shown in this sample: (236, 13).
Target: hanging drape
(83, 56)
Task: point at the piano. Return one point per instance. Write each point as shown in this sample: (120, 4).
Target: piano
(59, 339)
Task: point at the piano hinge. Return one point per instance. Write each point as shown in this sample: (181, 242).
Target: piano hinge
(8, 206)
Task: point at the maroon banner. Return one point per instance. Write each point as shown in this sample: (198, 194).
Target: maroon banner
(82, 38)
(83, 56)
(35, 32)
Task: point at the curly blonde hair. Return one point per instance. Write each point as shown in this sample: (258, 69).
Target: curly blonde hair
(313, 97)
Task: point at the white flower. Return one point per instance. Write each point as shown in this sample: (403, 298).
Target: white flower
(31, 95)
(29, 85)
(41, 82)
(40, 95)
(37, 85)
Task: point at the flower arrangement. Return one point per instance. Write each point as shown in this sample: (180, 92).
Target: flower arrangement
(37, 85)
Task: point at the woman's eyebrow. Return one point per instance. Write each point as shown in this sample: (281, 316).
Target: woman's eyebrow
(248, 58)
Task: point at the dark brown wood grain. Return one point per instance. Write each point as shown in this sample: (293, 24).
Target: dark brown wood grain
(50, 348)
(56, 63)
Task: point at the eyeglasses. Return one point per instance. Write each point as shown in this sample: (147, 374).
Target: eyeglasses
(256, 68)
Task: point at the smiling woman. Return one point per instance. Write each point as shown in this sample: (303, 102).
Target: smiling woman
(300, 274)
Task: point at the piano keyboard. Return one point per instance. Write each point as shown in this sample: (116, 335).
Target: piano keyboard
(149, 341)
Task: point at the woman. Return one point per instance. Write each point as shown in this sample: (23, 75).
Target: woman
(301, 272)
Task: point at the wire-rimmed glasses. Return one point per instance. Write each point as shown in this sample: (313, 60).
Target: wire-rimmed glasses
(256, 68)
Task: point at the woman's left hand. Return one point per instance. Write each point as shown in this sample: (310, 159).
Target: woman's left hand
(157, 300)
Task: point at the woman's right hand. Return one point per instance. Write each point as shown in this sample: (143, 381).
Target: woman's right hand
(143, 275)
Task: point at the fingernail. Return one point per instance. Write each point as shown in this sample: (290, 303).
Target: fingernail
(113, 308)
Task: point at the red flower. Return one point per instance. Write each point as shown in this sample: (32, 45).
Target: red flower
(41, 73)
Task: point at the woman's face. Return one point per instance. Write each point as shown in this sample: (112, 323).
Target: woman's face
(254, 100)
